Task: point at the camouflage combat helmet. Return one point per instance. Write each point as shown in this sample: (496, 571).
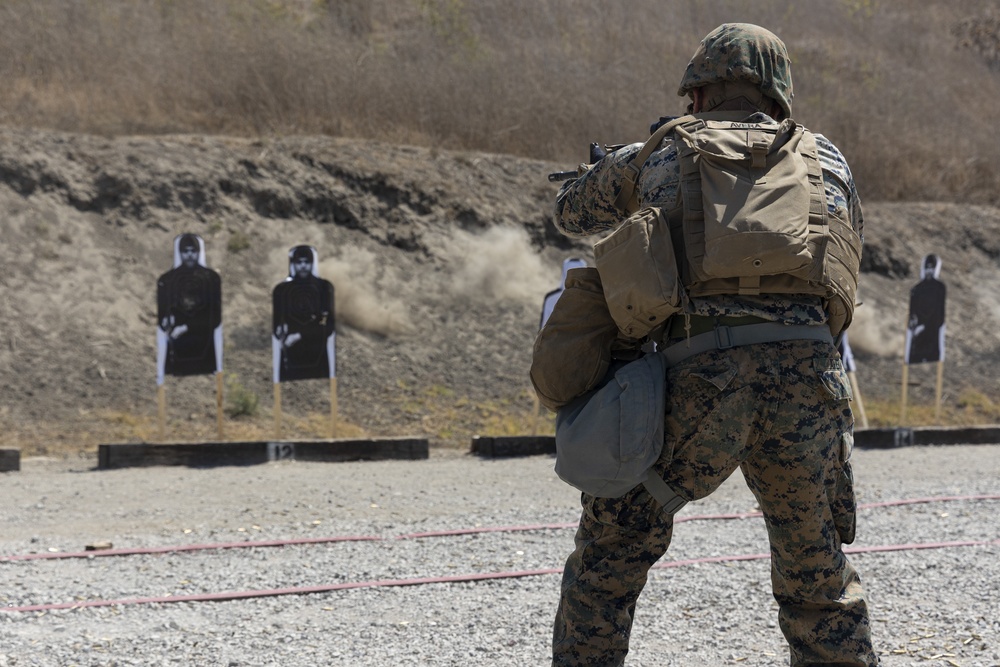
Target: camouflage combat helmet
(742, 52)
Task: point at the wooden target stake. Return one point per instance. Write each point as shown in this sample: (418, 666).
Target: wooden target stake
(161, 410)
(937, 392)
(333, 407)
(902, 403)
(537, 410)
(858, 402)
(218, 403)
(277, 411)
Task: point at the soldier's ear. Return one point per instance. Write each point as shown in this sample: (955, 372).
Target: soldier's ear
(697, 99)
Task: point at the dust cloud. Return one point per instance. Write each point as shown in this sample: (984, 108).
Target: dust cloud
(362, 300)
(872, 333)
(500, 264)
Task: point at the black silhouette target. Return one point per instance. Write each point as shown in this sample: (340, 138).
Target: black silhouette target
(189, 313)
(925, 332)
(304, 329)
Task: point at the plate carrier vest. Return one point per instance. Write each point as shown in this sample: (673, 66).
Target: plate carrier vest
(751, 215)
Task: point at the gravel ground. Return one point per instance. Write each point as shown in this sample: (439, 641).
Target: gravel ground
(930, 606)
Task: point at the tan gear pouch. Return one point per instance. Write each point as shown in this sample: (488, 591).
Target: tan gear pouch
(638, 270)
(755, 196)
(572, 352)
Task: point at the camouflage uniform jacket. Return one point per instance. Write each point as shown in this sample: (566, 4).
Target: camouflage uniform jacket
(585, 206)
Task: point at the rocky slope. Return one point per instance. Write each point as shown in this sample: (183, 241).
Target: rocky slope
(440, 262)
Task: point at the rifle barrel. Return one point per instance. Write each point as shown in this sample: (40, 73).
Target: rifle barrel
(563, 176)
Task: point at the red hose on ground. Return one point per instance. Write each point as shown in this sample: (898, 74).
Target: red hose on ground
(380, 583)
(189, 547)
(413, 536)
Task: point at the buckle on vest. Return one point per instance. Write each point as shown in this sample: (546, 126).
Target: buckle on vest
(723, 337)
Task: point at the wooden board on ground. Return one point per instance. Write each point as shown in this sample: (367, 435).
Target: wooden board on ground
(10, 460)
(888, 438)
(871, 438)
(519, 445)
(210, 454)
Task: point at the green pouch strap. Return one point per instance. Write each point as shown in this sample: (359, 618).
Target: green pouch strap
(699, 324)
(663, 494)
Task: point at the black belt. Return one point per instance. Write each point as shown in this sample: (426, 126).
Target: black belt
(725, 337)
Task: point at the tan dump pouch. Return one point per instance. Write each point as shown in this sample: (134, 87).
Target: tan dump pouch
(572, 352)
(639, 274)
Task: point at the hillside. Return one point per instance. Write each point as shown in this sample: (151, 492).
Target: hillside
(440, 261)
(439, 264)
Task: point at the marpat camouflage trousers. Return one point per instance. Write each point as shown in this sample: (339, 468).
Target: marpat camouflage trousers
(779, 411)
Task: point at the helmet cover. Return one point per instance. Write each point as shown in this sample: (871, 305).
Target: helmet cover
(742, 52)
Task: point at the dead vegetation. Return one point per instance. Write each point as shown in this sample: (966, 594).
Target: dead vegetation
(907, 90)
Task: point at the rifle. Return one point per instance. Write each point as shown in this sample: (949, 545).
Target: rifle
(596, 153)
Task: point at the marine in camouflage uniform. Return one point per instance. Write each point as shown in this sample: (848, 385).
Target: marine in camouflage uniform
(779, 411)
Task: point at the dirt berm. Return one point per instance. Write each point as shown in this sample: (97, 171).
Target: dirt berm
(440, 261)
